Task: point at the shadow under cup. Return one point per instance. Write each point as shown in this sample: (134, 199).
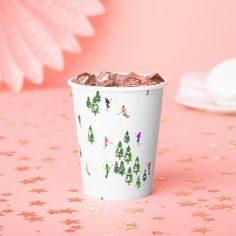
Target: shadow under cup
(117, 130)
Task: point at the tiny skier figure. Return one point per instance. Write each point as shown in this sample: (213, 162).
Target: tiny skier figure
(149, 167)
(106, 141)
(107, 169)
(107, 102)
(80, 152)
(79, 117)
(124, 112)
(147, 93)
(138, 137)
(87, 169)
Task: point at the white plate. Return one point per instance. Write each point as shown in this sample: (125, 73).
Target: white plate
(206, 106)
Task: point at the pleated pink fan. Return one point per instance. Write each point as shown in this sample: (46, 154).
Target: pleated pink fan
(34, 33)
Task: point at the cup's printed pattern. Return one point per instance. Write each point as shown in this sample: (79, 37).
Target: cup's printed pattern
(127, 164)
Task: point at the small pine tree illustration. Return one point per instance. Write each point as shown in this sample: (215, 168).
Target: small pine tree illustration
(136, 167)
(90, 135)
(98, 97)
(88, 103)
(128, 155)
(129, 177)
(138, 182)
(126, 138)
(122, 168)
(94, 106)
(116, 168)
(119, 150)
(144, 175)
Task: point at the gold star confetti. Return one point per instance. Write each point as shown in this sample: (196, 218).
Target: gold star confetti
(161, 178)
(195, 180)
(224, 198)
(186, 160)
(200, 230)
(221, 207)
(212, 145)
(48, 159)
(34, 218)
(219, 158)
(202, 199)
(135, 210)
(37, 203)
(73, 190)
(158, 218)
(22, 168)
(129, 226)
(228, 172)
(157, 232)
(27, 214)
(183, 193)
(6, 194)
(69, 222)
(187, 203)
(75, 199)
(68, 211)
(38, 190)
(208, 219)
(95, 208)
(213, 190)
(198, 187)
(199, 214)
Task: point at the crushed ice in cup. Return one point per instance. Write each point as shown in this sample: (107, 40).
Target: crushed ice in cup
(109, 79)
(155, 79)
(132, 80)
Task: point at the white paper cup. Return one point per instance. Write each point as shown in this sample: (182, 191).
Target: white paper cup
(117, 149)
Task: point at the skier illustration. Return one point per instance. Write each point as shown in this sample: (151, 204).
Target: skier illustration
(107, 169)
(106, 141)
(87, 169)
(147, 93)
(80, 152)
(107, 102)
(124, 112)
(149, 167)
(138, 137)
(79, 118)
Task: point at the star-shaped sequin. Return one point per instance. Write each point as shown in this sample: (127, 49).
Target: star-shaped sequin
(129, 226)
(200, 230)
(135, 210)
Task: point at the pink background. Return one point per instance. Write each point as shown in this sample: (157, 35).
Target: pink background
(171, 37)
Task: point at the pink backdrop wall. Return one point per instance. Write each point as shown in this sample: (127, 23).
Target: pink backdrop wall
(171, 37)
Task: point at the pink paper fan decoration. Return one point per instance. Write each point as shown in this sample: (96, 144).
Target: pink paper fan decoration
(34, 33)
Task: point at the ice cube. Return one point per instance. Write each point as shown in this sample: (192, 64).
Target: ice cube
(155, 79)
(82, 78)
(132, 80)
(107, 79)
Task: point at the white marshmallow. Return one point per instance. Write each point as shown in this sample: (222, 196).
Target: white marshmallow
(221, 83)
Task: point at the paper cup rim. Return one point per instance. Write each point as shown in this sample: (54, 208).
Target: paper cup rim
(118, 89)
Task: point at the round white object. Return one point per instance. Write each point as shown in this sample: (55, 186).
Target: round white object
(221, 83)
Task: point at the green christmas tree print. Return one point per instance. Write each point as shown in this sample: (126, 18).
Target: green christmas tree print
(127, 138)
(88, 103)
(144, 175)
(98, 97)
(90, 135)
(119, 150)
(138, 182)
(136, 167)
(122, 168)
(94, 106)
(129, 177)
(128, 155)
(116, 168)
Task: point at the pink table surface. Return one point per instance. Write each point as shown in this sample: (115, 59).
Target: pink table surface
(40, 182)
